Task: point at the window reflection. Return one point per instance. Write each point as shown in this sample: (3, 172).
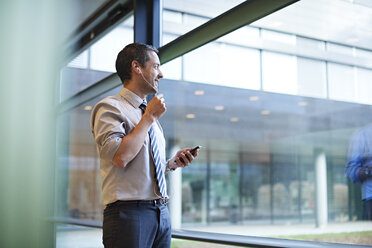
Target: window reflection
(96, 62)
(260, 112)
(341, 82)
(180, 17)
(279, 73)
(227, 65)
(78, 176)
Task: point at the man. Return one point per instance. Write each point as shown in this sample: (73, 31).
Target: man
(131, 147)
(359, 166)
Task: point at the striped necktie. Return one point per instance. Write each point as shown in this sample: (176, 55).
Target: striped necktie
(159, 174)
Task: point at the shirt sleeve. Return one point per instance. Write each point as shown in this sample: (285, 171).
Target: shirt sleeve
(355, 157)
(108, 127)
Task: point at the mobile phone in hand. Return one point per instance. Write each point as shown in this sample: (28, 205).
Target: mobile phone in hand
(193, 151)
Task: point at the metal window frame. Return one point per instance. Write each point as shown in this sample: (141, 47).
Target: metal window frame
(104, 19)
(224, 239)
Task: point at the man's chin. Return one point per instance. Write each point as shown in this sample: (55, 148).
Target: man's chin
(156, 87)
(154, 90)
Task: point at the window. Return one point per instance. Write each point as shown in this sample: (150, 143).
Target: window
(341, 81)
(96, 62)
(311, 78)
(78, 175)
(364, 86)
(179, 17)
(279, 73)
(224, 64)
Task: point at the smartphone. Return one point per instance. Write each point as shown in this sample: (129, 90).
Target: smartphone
(192, 152)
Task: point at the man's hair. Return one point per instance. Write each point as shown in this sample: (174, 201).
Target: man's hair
(134, 51)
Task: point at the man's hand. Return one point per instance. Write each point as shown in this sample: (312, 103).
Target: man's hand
(156, 107)
(186, 156)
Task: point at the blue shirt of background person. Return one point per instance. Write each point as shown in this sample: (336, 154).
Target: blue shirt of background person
(359, 165)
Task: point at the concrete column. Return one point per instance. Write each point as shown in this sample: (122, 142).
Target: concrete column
(321, 189)
(175, 194)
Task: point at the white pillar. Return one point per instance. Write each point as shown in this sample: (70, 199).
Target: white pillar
(175, 190)
(321, 189)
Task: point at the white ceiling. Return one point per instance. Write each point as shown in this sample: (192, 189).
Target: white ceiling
(341, 21)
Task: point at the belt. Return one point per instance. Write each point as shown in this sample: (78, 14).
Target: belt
(156, 202)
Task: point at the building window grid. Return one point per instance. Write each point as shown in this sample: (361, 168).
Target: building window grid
(260, 57)
(354, 51)
(325, 45)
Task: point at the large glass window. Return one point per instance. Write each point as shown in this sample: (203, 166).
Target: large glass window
(80, 11)
(263, 106)
(79, 181)
(96, 62)
(311, 78)
(223, 64)
(78, 176)
(279, 73)
(104, 52)
(364, 86)
(341, 82)
(180, 17)
(172, 69)
(263, 114)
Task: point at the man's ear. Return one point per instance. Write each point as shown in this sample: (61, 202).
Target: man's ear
(135, 67)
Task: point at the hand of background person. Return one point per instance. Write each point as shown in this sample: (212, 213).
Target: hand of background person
(364, 173)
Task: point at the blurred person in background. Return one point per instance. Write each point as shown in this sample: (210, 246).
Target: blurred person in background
(359, 166)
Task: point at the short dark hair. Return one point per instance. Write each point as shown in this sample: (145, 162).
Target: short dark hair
(134, 51)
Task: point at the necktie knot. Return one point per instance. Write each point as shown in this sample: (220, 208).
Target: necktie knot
(143, 107)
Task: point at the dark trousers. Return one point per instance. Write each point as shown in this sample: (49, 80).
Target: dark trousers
(136, 224)
(367, 210)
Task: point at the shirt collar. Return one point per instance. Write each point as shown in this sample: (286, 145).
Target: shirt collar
(131, 97)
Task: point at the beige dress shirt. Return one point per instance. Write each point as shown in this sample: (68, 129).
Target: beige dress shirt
(112, 118)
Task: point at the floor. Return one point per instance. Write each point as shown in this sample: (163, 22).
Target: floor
(79, 237)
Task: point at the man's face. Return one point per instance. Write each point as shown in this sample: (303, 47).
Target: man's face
(152, 72)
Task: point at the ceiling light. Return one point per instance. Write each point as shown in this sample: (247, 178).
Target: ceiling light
(303, 104)
(254, 98)
(219, 108)
(199, 92)
(275, 24)
(88, 107)
(352, 40)
(265, 112)
(190, 116)
(234, 119)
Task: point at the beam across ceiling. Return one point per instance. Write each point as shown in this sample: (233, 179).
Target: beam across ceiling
(97, 25)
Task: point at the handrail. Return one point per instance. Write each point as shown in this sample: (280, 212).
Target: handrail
(219, 238)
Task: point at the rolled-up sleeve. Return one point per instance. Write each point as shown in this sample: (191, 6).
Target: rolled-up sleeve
(108, 127)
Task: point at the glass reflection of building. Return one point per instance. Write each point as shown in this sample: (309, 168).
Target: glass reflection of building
(264, 101)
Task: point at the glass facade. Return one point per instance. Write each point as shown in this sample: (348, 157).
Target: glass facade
(262, 101)
(78, 179)
(96, 62)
